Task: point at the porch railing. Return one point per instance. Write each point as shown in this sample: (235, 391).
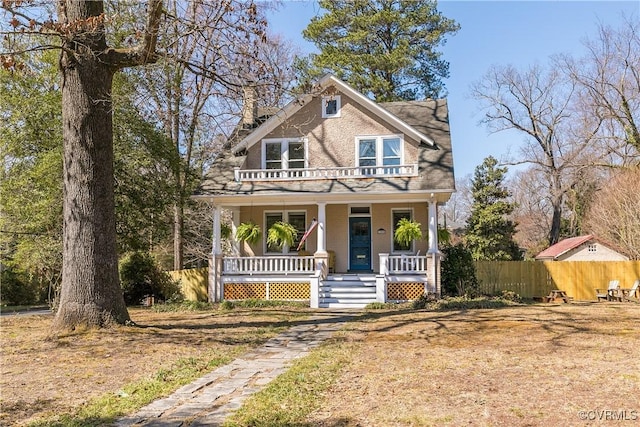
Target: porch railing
(407, 264)
(326, 173)
(269, 265)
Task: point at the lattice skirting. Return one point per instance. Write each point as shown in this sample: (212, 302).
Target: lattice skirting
(403, 291)
(268, 290)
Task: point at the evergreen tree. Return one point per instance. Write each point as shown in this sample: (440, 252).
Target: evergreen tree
(384, 48)
(489, 233)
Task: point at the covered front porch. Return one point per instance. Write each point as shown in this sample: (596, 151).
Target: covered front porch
(360, 266)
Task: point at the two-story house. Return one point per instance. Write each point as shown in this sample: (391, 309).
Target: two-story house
(351, 166)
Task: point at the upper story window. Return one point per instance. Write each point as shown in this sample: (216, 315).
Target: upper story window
(380, 151)
(592, 248)
(289, 153)
(331, 106)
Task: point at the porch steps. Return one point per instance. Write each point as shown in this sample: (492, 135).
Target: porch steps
(347, 291)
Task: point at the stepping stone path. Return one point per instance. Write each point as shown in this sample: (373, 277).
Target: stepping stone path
(210, 399)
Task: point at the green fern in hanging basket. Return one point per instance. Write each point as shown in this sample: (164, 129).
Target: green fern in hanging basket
(249, 232)
(407, 231)
(281, 233)
(225, 230)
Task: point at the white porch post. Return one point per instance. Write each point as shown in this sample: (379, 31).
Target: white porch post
(215, 262)
(235, 221)
(321, 256)
(322, 218)
(217, 238)
(433, 227)
(434, 272)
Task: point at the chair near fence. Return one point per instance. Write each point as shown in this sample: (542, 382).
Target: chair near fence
(612, 293)
(631, 294)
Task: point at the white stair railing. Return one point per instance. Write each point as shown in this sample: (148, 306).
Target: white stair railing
(407, 264)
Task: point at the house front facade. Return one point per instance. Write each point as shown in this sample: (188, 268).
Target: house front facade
(345, 169)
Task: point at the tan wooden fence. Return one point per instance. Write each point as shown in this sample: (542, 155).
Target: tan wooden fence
(579, 279)
(193, 282)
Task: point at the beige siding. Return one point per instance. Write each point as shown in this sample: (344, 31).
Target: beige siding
(331, 140)
(602, 253)
(337, 228)
(257, 215)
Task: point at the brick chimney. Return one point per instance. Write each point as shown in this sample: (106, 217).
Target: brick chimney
(249, 106)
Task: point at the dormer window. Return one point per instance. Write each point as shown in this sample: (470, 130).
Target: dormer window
(331, 106)
(288, 153)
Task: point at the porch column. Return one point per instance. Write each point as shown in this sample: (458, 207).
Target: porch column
(322, 218)
(216, 247)
(235, 221)
(215, 262)
(433, 270)
(433, 227)
(321, 256)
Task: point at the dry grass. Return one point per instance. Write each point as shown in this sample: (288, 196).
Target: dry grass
(42, 375)
(534, 365)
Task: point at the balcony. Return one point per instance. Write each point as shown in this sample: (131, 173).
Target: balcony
(248, 175)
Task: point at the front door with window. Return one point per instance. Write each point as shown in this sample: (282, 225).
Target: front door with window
(360, 244)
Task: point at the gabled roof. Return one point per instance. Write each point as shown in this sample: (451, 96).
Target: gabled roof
(435, 164)
(327, 81)
(564, 246)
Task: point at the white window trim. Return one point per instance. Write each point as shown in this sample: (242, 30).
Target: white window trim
(285, 217)
(379, 147)
(393, 230)
(338, 100)
(284, 150)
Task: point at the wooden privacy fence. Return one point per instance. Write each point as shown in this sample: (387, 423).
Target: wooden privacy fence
(579, 279)
(193, 282)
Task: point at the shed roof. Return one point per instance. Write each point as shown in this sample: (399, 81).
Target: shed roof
(564, 246)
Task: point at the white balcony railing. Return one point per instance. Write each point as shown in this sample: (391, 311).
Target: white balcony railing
(268, 265)
(325, 173)
(407, 264)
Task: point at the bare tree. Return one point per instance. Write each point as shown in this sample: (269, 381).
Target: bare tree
(196, 110)
(613, 215)
(91, 293)
(539, 103)
(608, 78)
(533, 210)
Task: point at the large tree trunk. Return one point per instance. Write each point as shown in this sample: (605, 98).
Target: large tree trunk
(91, 295)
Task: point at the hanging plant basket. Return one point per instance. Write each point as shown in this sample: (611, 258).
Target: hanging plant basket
(225, 231)
(249, 232)
(407, 231)
(281, 233)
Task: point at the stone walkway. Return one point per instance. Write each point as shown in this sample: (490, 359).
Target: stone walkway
(213, 397)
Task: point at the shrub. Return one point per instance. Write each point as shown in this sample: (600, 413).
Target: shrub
(17, 289)
(458, 271)
(140, 275)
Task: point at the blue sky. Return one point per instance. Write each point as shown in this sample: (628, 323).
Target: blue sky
(520, 33)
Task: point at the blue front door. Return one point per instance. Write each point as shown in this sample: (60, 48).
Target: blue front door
(360, 244)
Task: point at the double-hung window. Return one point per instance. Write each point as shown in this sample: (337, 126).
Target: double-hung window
(289, 153)
(378, 152)
(297, 219)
